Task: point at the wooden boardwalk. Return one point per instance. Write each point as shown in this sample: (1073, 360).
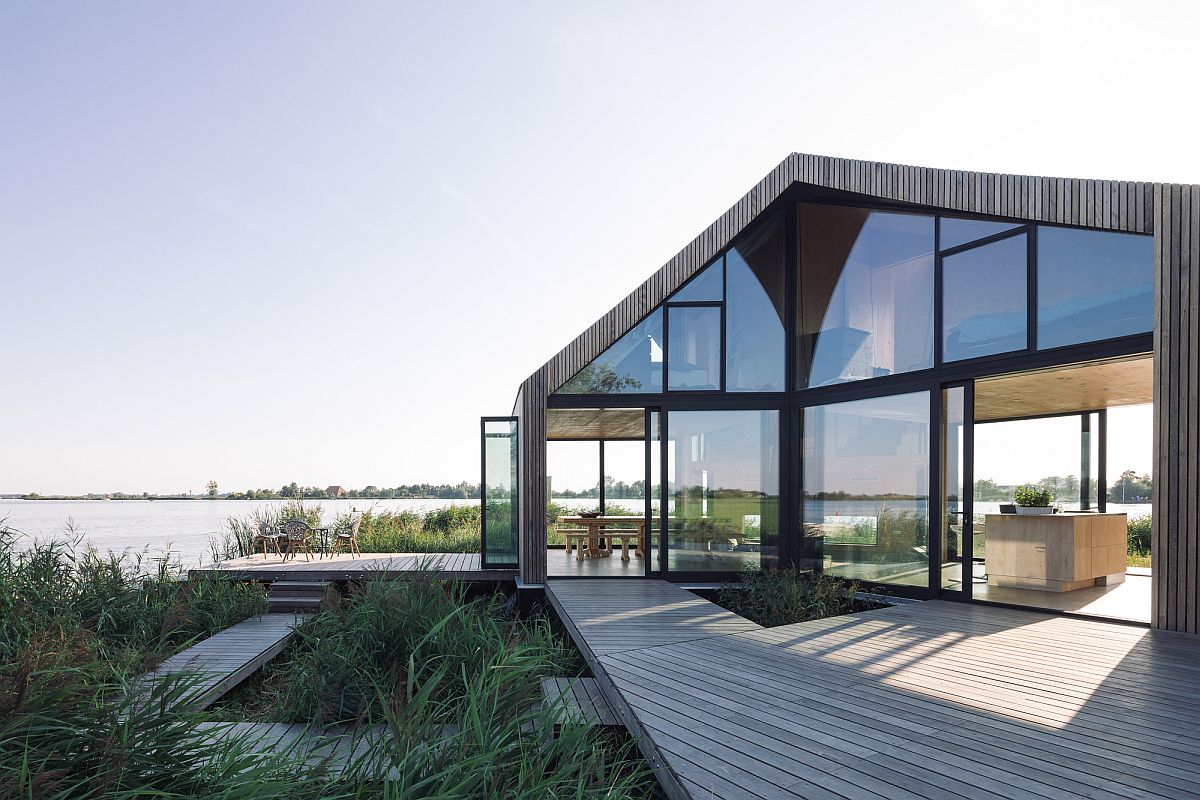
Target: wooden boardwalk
(225, 659)
(344, 567)
(337, 747)
(930, 700)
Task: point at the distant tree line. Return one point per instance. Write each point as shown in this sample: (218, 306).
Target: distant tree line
(416, 491)
(613, 490)
(292, 491)
(1129, 488)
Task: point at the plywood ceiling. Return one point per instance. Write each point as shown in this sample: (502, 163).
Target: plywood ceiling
(1084, 387)
(595, 423)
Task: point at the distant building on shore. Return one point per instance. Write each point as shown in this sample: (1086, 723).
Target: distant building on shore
(337, 491)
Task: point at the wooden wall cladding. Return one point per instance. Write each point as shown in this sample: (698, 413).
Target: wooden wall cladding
(1176, 537)
(1172, 212)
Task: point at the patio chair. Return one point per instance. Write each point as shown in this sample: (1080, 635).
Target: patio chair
(348, 537)
(298, 538)
(266, 537)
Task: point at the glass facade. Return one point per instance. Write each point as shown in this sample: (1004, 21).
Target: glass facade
(754, 305)
(984, 297)
(1092, 285)
(708, 285)
(841, 297)
(634, 364)
(693, 348)
(865, 508)
(956, 231)
(865, 301)
(723, 479)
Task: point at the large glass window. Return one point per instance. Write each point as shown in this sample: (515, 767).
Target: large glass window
(632, 365)
(754, 352)
(723, 473)
(865, 299)
(984, 300)
(1092, 285)
(866, 489)
(694, 348)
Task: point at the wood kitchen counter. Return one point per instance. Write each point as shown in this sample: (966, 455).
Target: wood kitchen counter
(1055, 552)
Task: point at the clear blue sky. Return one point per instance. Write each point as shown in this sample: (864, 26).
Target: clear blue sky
(263, 242)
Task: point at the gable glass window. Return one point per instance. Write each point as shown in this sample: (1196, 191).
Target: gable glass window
(1092, 285)
(707, 285)
(865, 301)
(984, 299)
(694, 348)
(754, 293)
(632, 365)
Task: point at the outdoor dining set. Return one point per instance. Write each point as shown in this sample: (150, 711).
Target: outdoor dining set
(295, 536)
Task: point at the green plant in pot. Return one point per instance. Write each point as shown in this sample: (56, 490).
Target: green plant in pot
(1033, 500)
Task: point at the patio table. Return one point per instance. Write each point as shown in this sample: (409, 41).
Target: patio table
(594, 529)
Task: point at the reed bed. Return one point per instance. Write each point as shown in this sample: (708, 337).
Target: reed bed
(454, 678)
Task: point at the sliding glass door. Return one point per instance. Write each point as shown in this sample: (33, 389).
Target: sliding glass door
(721, 490)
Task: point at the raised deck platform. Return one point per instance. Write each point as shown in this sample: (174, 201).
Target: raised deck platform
(929, 700)
(346, 567)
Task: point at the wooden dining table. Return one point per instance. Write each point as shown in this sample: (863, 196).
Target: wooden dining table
(594, 529)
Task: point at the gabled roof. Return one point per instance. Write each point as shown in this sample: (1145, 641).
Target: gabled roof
(1106, 204)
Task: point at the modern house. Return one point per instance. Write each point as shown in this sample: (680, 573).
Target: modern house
(829, 373)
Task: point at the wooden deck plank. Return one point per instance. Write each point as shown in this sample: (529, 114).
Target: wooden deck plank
(227, 658)
(345, 566)
(931, 700)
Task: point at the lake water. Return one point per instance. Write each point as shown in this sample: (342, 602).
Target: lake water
(181, 527)
(184, 527)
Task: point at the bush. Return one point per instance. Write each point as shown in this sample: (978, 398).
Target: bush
(786, 596)
(452, 519)
(1139, 537)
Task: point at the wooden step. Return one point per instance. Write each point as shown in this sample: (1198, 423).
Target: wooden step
(577, 701)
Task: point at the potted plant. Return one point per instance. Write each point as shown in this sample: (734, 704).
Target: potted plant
(1032, 500)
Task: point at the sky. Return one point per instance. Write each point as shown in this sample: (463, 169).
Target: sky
(270, 242)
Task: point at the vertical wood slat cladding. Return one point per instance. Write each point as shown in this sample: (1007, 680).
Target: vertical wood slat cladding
(1115, 205)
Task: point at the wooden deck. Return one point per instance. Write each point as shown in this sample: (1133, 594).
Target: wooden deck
(225, 659)
(335, 747)
(929, 700)
(344, 567)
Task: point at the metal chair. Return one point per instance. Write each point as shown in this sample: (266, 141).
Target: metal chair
(348, 537)
(298, 535)
(266, 537)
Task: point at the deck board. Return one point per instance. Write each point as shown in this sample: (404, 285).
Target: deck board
(933, 700)
(347, 567)
(227, 658)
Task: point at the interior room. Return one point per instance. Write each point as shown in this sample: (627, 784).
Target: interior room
(1081, 434)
